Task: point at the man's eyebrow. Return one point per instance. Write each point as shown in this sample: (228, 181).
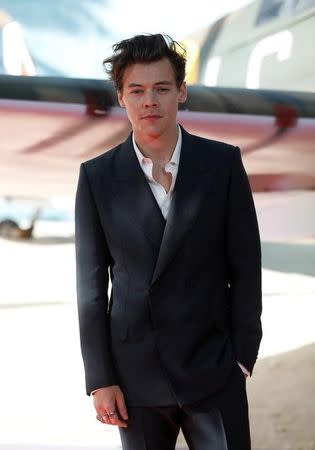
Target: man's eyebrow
(163, 82)
(130, 85)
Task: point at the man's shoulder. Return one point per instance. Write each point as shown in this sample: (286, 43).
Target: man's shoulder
(212, 143)
(102, 161)
(213, 149)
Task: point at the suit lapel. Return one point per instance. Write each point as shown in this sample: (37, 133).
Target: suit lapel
(134, 195)
(193, 180)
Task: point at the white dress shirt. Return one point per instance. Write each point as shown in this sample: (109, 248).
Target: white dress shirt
(162, 197)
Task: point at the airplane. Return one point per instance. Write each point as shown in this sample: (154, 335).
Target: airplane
(267, 44)
(51, 124)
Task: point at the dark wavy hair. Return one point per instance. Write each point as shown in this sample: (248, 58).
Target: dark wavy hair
(145, 48)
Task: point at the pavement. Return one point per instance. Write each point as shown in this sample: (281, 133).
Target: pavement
(43, 405)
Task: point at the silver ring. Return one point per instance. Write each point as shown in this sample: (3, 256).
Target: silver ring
(111, 413)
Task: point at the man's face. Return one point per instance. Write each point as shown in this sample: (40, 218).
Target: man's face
(151, 96)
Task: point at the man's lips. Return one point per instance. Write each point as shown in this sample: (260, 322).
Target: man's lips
(151, 116)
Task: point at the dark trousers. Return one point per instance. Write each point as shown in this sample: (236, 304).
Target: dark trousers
(219, 422)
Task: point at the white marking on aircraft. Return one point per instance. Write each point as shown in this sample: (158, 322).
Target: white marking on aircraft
(279, 43)
(16, 58)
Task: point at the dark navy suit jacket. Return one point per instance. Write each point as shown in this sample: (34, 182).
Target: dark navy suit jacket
(185, 299)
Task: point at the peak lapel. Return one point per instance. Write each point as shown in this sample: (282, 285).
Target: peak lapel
(192, 184)
(134, 195)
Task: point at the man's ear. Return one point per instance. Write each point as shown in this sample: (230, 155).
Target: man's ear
(120, 99)
(182, 93)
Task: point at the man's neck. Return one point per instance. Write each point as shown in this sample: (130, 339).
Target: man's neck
(158, 148)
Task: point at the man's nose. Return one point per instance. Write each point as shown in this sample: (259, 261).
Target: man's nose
(150, 99)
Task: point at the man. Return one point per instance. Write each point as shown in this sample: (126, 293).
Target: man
(171, 217)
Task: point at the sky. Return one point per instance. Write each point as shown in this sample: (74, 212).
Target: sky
(170, 16)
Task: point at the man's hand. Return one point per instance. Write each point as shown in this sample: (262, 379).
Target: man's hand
(110, 406)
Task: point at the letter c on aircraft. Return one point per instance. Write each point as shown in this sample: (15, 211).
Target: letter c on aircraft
(279, 43)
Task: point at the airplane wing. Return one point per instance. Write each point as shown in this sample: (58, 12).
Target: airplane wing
(50, 125)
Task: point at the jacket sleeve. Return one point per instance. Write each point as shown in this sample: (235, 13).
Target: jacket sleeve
(92, 265)
(244, 261)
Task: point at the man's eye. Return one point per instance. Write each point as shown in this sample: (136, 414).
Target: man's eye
(163, 89)
(136, 91)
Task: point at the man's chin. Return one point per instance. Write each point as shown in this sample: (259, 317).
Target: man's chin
(152, 130)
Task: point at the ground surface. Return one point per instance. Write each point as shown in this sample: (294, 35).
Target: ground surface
(43, 406)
